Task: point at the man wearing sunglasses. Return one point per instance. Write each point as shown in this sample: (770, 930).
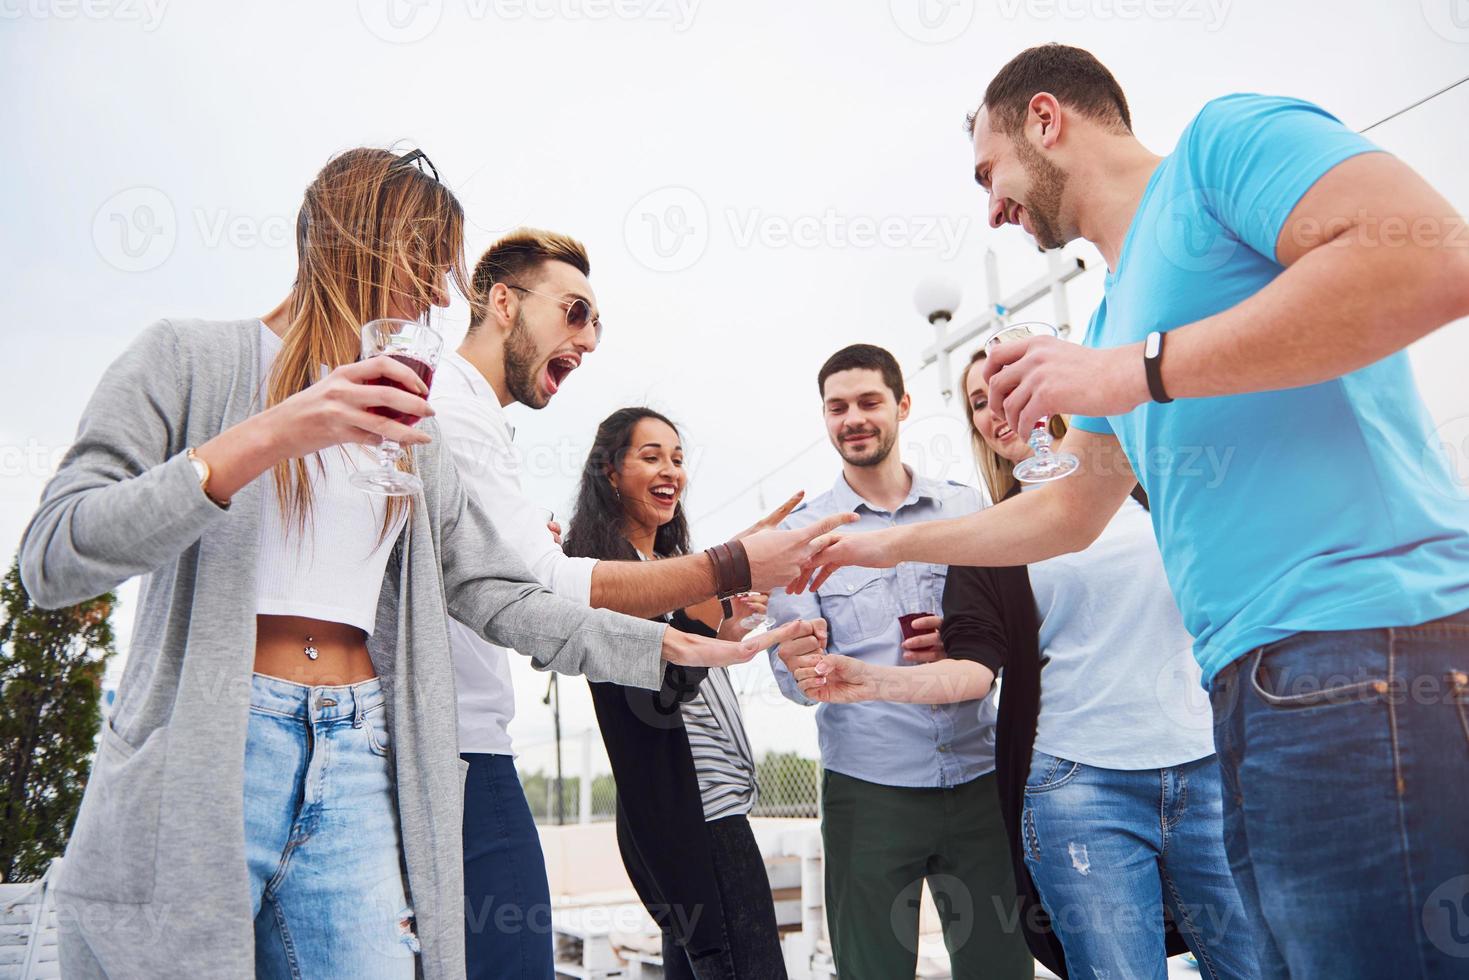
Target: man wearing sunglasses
(533, 320)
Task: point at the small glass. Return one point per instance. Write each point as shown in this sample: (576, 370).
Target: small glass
(1045, 465)
(415, 345)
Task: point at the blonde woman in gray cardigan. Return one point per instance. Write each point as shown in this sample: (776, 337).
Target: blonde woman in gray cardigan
(277, 791)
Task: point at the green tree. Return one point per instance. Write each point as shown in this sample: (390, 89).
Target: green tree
(51, 665)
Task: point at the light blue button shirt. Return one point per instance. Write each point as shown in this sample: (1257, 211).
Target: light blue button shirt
(889, 744)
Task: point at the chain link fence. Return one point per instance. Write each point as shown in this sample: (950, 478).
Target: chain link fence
(782, 738)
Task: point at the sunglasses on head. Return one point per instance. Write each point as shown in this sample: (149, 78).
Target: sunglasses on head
(418, 160)
(578, 310)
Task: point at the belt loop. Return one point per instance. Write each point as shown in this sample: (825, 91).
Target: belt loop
(356, 706)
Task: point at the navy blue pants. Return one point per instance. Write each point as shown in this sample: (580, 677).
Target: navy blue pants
(507, 901)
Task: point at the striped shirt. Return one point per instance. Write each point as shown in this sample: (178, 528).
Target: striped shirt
(722, 757)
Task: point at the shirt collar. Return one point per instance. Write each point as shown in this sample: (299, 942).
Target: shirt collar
(480, 388)
(922, 488)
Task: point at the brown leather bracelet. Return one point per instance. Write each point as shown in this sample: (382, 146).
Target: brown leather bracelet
(741, 566)
(731, 569)
(719, 559)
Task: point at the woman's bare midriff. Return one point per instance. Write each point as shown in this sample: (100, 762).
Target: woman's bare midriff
(281, 644)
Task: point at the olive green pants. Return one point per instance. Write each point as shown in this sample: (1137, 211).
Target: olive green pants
(883, 842)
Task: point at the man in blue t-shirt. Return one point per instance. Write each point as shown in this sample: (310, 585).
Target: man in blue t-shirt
(1312, 531)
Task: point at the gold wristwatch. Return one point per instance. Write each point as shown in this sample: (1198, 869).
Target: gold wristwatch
(202, 468)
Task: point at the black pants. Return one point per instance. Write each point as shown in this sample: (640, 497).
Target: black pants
(752, 947)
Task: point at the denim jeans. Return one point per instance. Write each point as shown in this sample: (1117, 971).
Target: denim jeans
(507, 900)
(1346, 776)
(1109, 849)
(321, 835)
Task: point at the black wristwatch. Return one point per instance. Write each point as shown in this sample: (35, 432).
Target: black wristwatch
(1153, 366)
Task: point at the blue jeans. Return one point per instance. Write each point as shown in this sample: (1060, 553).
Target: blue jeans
(507, 901)
(321, 835)
(1346, 772)
(1108, 849)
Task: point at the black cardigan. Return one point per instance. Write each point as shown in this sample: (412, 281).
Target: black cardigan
(660, 813)
(990, 617)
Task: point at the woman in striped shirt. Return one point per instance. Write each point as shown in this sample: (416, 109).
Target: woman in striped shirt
(685, 774)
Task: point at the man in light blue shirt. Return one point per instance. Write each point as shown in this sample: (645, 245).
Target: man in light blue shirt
(908, 790)
(1308, 519)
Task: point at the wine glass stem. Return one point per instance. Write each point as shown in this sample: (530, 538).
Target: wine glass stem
(1040, 437)
(388, 454)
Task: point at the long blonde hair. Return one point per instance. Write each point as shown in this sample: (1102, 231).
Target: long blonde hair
(997, 472)
(370, 223)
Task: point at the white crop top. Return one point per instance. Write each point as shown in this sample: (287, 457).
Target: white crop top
(334, 570)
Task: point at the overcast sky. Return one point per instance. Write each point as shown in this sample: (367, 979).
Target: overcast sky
(758, 183)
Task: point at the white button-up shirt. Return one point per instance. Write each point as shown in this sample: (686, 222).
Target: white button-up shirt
(479, 437)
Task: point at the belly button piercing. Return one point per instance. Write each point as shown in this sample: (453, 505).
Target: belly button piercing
(311, 651)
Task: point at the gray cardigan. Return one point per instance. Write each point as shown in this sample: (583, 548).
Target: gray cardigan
(154, 880)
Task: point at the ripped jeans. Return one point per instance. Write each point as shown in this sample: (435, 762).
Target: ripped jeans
(1109, 849)
(321, 835)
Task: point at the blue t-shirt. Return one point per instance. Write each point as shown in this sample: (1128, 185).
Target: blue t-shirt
(1327, 507)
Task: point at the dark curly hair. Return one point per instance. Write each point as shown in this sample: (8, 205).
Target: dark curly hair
(597, 520)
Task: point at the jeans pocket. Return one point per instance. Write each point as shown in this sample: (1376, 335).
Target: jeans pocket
(375, 726)
(1048, 772)
(1288, 684)
(1459, 693)
(112, 855)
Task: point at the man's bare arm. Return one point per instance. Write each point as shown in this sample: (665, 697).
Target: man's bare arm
(1054, 519)
(1375, 259)
(652, 588)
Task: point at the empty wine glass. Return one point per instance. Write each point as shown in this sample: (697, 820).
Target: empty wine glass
(1045, 465)
(415, 345)
(756, 620)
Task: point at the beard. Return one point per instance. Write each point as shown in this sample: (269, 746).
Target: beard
(1047, 184)
(522, 366)
(873, 456)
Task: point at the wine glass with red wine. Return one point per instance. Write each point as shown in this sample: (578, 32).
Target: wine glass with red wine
(1045, 464)
(416, 346)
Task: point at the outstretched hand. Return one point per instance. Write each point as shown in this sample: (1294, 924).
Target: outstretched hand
(777, 557)
(835, 551)
(691, 650)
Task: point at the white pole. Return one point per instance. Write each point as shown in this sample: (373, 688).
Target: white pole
(584, 798)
